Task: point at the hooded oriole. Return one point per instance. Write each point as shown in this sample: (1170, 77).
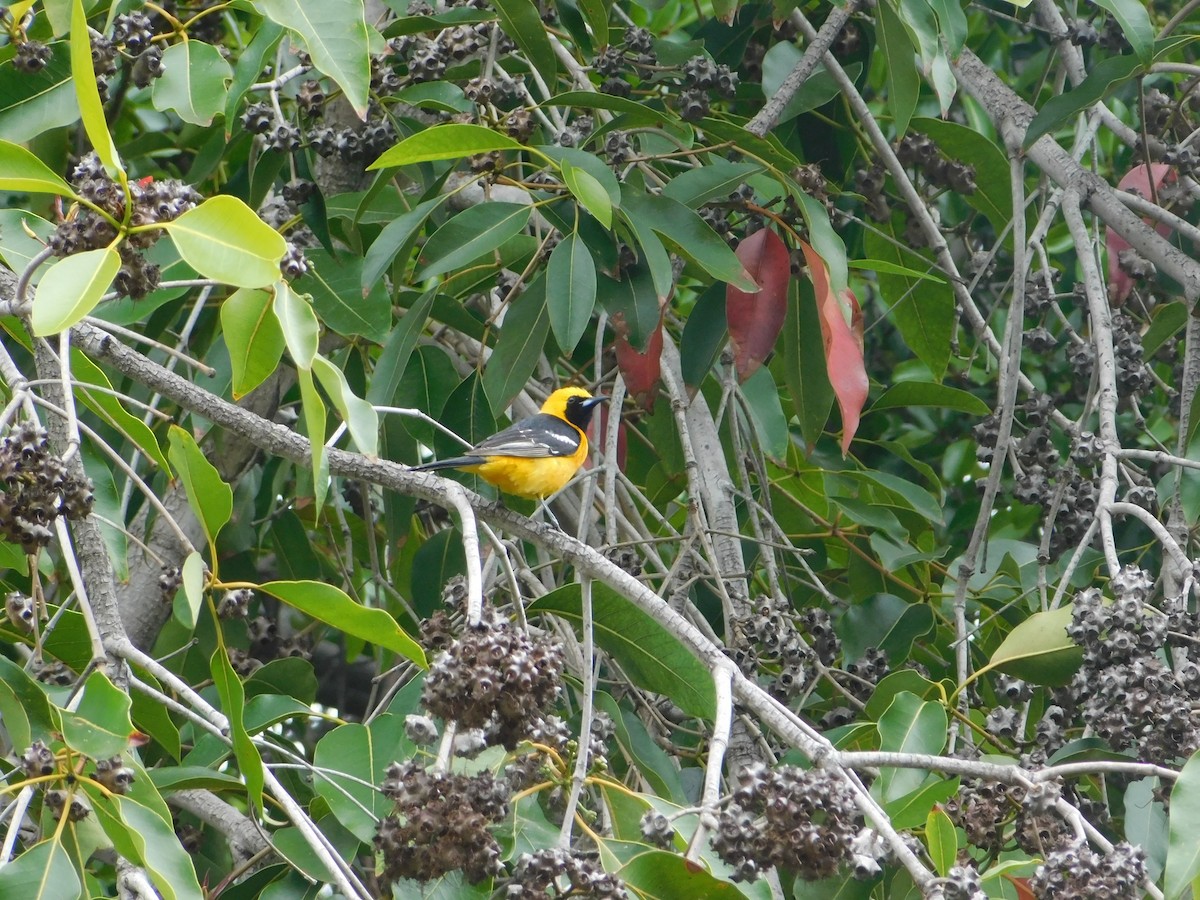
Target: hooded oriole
(537, 456)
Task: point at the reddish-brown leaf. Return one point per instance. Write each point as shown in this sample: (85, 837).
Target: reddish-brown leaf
(1138, 179)
(1024, 891)
(755, 320)
(843, 344)
(640, 370)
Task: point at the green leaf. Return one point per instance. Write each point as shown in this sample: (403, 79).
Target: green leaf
(1146, 823)
(635, 299)
(266, 710)
(398, 232)
(903, 82)
(233, 704)
(453, 141)
(393, 359)
(289, 675)
(1183, 851)
(363, 754)
(942, 841)
(468, 414)
(766, 411)
(194, 83)
(1088, 749)
(313, 409)
(595, 12)
(335, 285)
(37, 102)
(653, 763)
(250, 64)
(522, 339)
(333, 606)
(923, 312)
(523, 23)
(905, 492)
(952, 24)
(210, 497)
(816, 91)
(907, 394)
(1134, 20)
(44, 872)
(224, 240)
(823, 238)
(473, 233)
(107, 406)
(912, 810)
(298, 322)
(910, 725)
(1165, 322)
(190, 599)
(569, 158)
(439, 96)
(765, 149)
(22, 172)
(141, 835)
(22, 237)
(884, 621)
(660, 873)
(1039, 650)
(360, 417)
(704, 334)
(881, 265)
(100, 727)
(931, 38)
(183, 778)
(804, 368)
(1103, 78)
(691, 235)
(715, 180)
(253, 336)
(570, 290)
(651, 656)
(26, 709)
(590, 192)
(291, 843)
(91, 109)
(152, 718)
(993, 194)
(611, 102)
(654, 258)
(71, 288)
(337, 39)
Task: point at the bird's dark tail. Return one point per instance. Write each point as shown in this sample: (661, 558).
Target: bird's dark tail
(455, 462)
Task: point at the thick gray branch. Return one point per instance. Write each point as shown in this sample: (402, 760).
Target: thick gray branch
(768, 117)
(245, 840)
(1012, 116)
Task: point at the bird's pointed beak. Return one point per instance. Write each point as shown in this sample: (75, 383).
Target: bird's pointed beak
(594, 401)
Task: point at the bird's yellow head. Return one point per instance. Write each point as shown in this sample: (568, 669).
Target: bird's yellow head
(573, 404)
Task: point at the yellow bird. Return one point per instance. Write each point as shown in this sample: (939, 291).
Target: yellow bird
(534, 457)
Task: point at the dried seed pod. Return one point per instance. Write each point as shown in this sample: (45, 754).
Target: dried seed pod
(114, 774)
(38, 761)
(19, 608)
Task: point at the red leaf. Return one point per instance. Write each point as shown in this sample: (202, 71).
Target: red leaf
(1138, 179)
(640, 370)
(1024, 892)
(755, 320)
(843, 345)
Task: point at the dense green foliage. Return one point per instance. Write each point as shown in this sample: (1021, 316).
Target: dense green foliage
(881, 582)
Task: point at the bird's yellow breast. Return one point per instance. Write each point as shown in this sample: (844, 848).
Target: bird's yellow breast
(533, 478)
